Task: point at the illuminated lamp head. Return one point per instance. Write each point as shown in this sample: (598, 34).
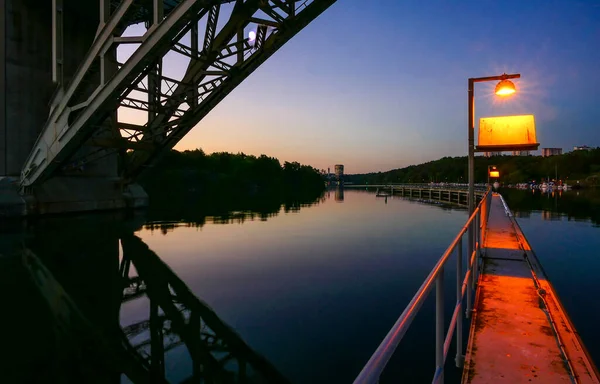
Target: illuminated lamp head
(505, 88)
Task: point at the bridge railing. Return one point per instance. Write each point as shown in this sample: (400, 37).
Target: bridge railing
(475, 230)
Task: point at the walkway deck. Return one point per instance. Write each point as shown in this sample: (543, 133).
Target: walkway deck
(519, 325)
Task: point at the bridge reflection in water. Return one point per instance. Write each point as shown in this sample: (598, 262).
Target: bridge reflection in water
(84, 282)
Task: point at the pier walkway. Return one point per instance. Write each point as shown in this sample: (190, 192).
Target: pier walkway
(519, 331)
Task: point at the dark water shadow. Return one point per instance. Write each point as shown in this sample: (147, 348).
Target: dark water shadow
(63, 287)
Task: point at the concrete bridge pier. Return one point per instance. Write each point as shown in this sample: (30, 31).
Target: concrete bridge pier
(28, 84)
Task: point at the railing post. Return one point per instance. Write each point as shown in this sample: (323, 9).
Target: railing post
(439, 323)
(483, 219)
(476, 247)
(489, 203)
(479, 226)
(459, 300)
(469, 268)
(474, 234)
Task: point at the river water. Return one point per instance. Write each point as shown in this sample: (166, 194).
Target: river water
(303, 293)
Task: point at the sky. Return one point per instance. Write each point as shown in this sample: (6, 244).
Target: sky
(382, 84)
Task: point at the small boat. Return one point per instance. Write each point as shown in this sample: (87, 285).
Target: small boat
(381, 194)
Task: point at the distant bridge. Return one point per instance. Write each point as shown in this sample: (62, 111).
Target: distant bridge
(453, 186)
(445, 193)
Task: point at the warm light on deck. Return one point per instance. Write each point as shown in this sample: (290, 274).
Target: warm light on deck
(505, 88)
(506, 133)
(494, 174)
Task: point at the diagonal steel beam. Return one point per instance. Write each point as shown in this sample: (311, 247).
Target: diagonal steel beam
(197, 69)
(61, 138)
(289, 28)
(211, 26)
(193, 74)
(210, 76)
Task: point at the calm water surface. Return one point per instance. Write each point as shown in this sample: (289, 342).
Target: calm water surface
(316, 290)
(312, 289)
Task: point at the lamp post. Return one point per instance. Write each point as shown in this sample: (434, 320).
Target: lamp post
(505, 87)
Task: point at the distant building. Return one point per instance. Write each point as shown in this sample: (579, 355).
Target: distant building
(551, 152)
(339, 172)
(490, 154)
(583, 148)
(521, 153)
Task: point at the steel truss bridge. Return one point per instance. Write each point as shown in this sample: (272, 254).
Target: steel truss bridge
(177, 319)
(214, 37)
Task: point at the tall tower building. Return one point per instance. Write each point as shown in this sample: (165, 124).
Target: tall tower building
(339, 172)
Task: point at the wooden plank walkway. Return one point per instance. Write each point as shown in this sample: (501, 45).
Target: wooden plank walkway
(520, 332)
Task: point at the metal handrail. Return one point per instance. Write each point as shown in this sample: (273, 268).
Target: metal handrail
(476, 227)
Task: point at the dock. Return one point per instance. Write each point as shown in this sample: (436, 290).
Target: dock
(447, 194)
(519, 331)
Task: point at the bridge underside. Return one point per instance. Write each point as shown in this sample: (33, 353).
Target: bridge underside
(113, 114)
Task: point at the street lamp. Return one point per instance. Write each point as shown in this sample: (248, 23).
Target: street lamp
(492, 172)
(504, 88)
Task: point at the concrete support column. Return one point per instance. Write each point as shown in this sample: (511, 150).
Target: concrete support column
(26, 86)
(3, 153)
(57, 41)
(33, 68)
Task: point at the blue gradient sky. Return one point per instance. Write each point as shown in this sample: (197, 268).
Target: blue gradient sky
(382, 84)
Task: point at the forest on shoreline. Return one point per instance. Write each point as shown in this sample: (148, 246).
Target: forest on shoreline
(182, 183)
(582, 166)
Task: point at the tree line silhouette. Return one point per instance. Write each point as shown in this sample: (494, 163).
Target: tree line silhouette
(192, 184)
(570, 167)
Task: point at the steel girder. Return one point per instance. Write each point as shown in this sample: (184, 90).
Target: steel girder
(174, 106)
